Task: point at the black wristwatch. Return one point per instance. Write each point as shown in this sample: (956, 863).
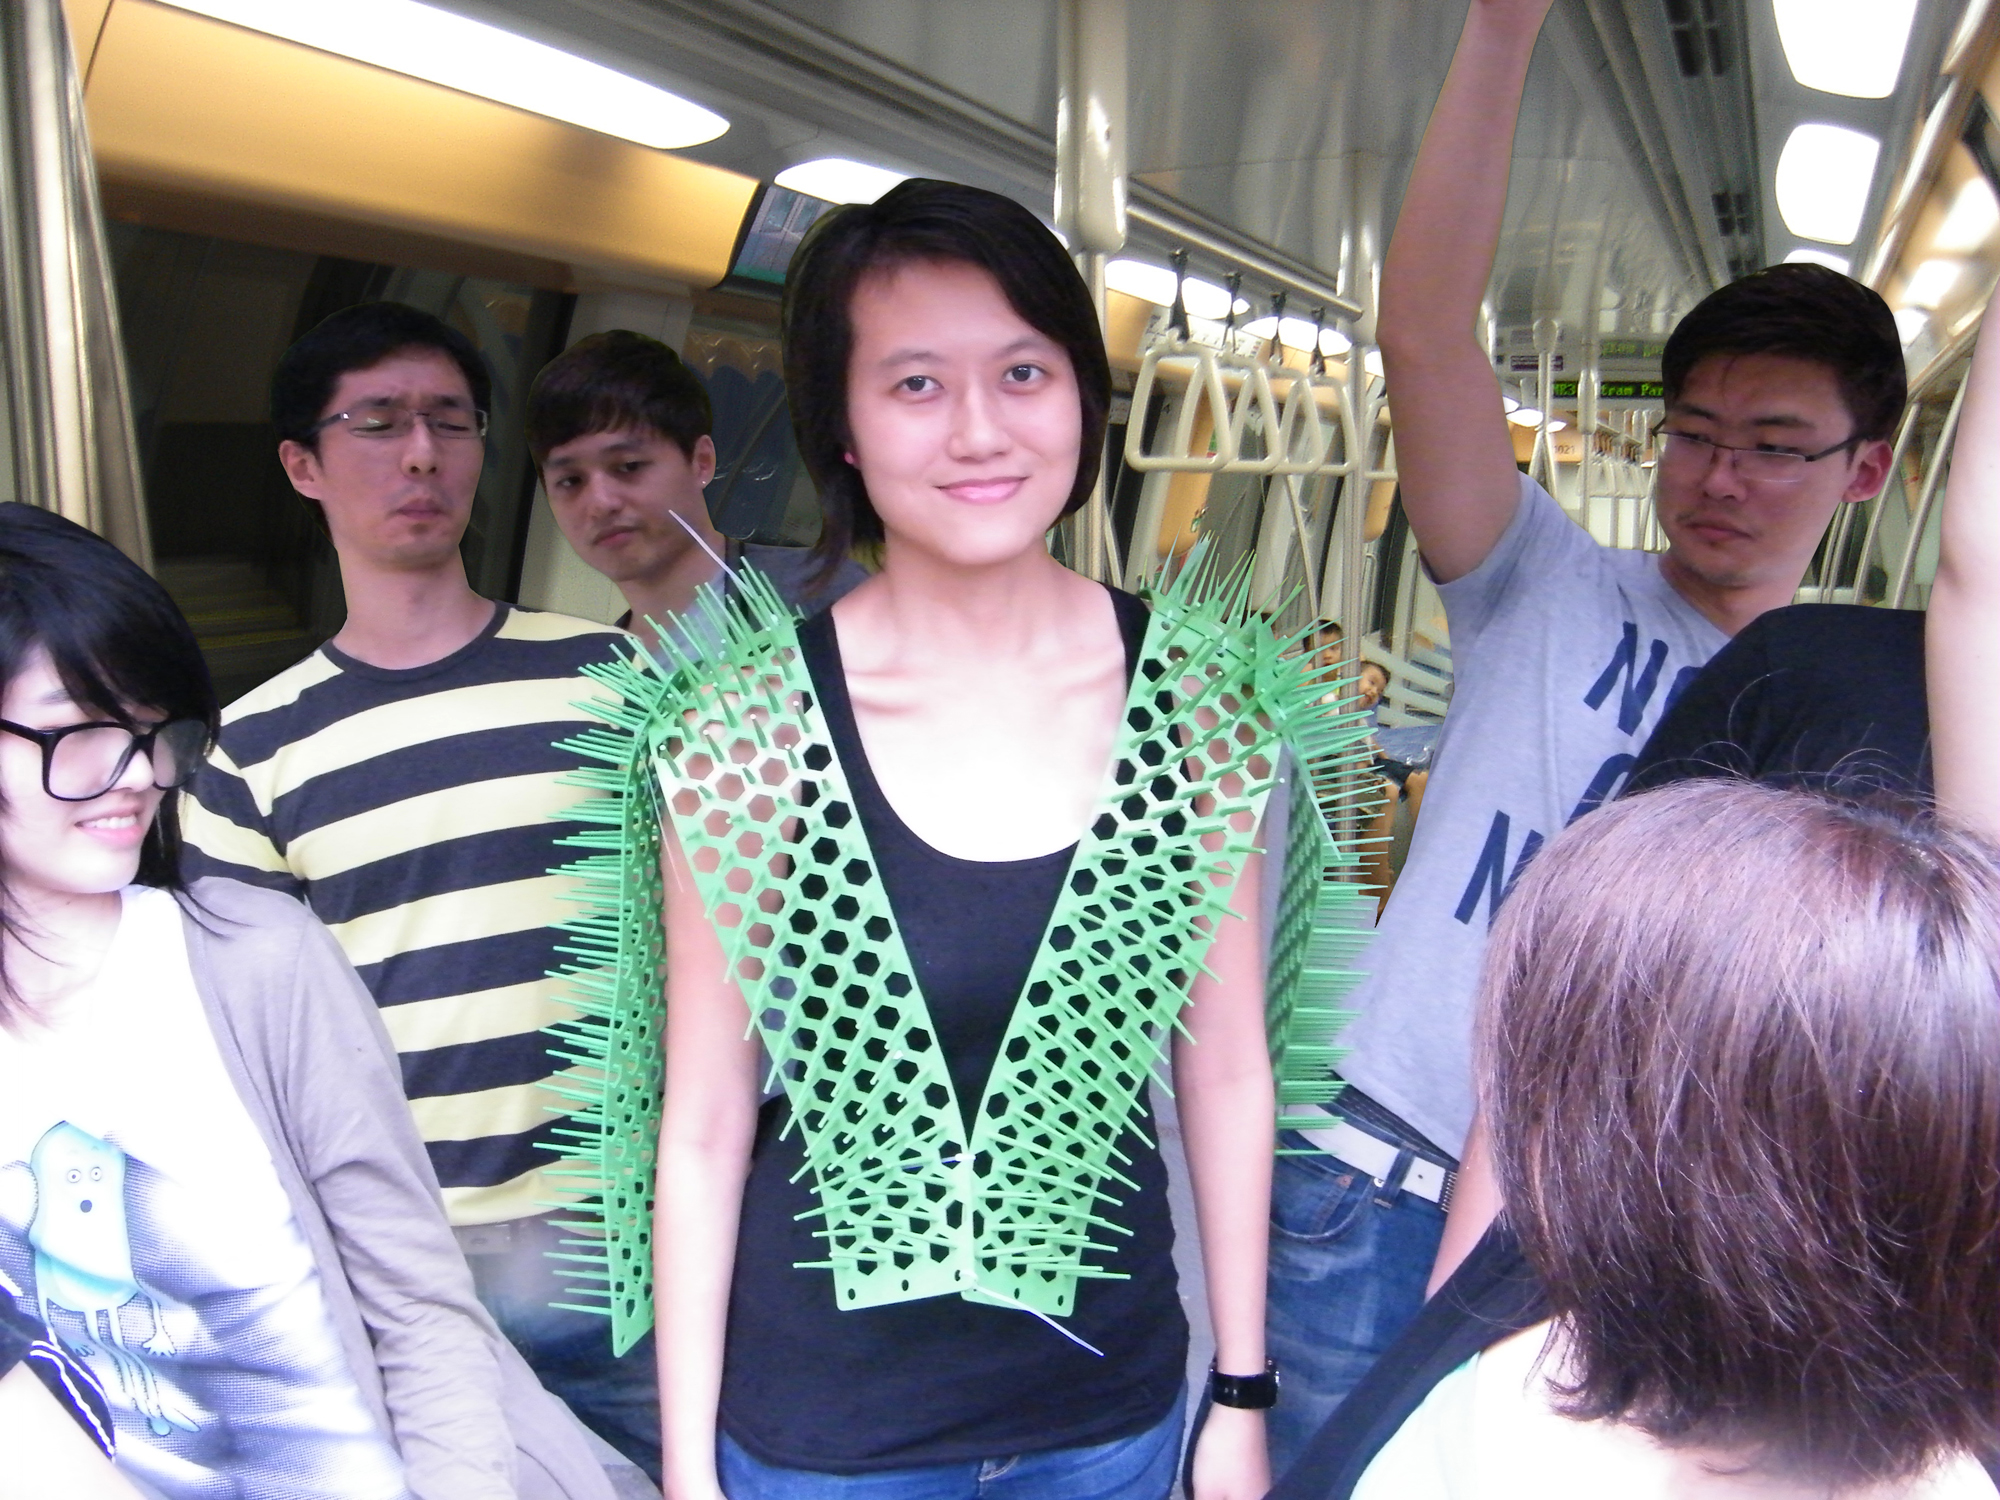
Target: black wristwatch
(1254, 1392)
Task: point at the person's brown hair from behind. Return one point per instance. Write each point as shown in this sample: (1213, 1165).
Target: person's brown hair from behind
(1740, 1049)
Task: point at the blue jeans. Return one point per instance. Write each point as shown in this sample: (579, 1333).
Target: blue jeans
(1349, 1263)
(618, 1398)
(1133, 1468)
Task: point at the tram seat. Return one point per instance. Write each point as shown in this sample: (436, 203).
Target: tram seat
(1419, 690)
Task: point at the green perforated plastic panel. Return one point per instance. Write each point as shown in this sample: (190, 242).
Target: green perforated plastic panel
(761, 805)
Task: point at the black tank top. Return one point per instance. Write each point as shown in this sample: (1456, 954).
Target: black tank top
(808, 1386)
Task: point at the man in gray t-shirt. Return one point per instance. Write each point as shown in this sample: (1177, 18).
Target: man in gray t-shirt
(1782, 389)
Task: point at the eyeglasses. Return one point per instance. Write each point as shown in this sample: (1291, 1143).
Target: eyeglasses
(82, 761)
(390, 421)
(1689, 453)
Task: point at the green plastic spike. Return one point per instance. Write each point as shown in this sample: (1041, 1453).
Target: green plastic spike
(761, 804)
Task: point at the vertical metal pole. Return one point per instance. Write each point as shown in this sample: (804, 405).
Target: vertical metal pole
(1092, 62)
(1926, 498)
(71, 412)
(1895, 480)
(1586, 421)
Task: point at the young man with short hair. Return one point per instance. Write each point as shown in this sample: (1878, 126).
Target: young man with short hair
(1782, 390)
(621, 429)
(405, 781)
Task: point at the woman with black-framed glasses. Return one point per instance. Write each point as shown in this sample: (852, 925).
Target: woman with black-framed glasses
(211, 1190)
(85, 760)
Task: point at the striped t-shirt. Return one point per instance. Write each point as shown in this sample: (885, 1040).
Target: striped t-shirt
(415, 811)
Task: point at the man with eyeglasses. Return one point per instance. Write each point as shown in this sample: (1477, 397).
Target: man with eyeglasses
(405, 781)
(1782, 389)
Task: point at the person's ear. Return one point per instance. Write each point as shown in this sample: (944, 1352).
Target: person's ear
(702, 460)
(302, 466)
(1870, 471)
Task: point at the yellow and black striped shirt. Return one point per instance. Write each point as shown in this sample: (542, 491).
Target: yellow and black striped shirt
(416, 812)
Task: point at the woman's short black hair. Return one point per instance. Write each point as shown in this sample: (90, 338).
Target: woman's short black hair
(615, 381)
(1808, 312)
(923, 220)
(117, 642)
(360, 338)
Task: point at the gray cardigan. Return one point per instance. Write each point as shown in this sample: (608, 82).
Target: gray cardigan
(306, 1048)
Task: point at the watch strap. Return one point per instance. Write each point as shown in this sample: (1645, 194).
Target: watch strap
(1253, 1392)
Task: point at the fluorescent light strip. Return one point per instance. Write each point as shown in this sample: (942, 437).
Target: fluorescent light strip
(1851, 47)
(1823, 178)
(424, 42)
(1155, 284)
(1805, 254)
(838, 180)
(1297, 333)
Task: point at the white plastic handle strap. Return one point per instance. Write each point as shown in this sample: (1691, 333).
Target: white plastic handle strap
(1254, 394)
(1204, 379)
(1304, 441)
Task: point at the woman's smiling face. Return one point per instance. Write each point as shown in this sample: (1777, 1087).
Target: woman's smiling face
(51, 849)
(966, 421)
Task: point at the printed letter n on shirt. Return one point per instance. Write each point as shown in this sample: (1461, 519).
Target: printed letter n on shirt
(1639, 682)
(1492, 876)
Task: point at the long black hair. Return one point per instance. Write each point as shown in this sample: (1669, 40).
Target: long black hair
(922, 220)
(118, 643)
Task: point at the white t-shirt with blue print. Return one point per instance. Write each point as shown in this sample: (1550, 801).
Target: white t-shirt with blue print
(142, 1219)
(1565, 654)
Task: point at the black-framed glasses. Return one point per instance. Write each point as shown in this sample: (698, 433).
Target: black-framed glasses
(389, 420)
(1691, 451)
(82, 761)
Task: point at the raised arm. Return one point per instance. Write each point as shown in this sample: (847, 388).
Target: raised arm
(1962, 633)
(1455, 459)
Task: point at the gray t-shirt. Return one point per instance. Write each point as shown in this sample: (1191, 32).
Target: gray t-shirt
(1565, 655)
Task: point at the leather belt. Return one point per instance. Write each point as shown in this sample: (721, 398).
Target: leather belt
(1377, 1157)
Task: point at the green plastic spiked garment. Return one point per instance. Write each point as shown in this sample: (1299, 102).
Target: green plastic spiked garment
(733, 751)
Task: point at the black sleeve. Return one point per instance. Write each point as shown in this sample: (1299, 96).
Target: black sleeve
(1828, 697)
(23, 1340)
(1719, 724)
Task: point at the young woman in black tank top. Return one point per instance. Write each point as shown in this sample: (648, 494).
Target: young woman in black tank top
(949, 389)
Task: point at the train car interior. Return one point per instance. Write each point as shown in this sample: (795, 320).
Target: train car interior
(190, 185)
(257, 173)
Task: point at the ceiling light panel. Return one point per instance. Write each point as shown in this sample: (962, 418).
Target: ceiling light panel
(1851, 47)
(838, 180)
(1297, 333)
(1155, 284)
(1805, 254)
(1823, 178)
(424, 42)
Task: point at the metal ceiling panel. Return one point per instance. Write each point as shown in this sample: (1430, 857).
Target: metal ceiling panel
(1637, 185)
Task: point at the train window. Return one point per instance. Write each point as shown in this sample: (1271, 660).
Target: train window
(204, 322)
(761, 491)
